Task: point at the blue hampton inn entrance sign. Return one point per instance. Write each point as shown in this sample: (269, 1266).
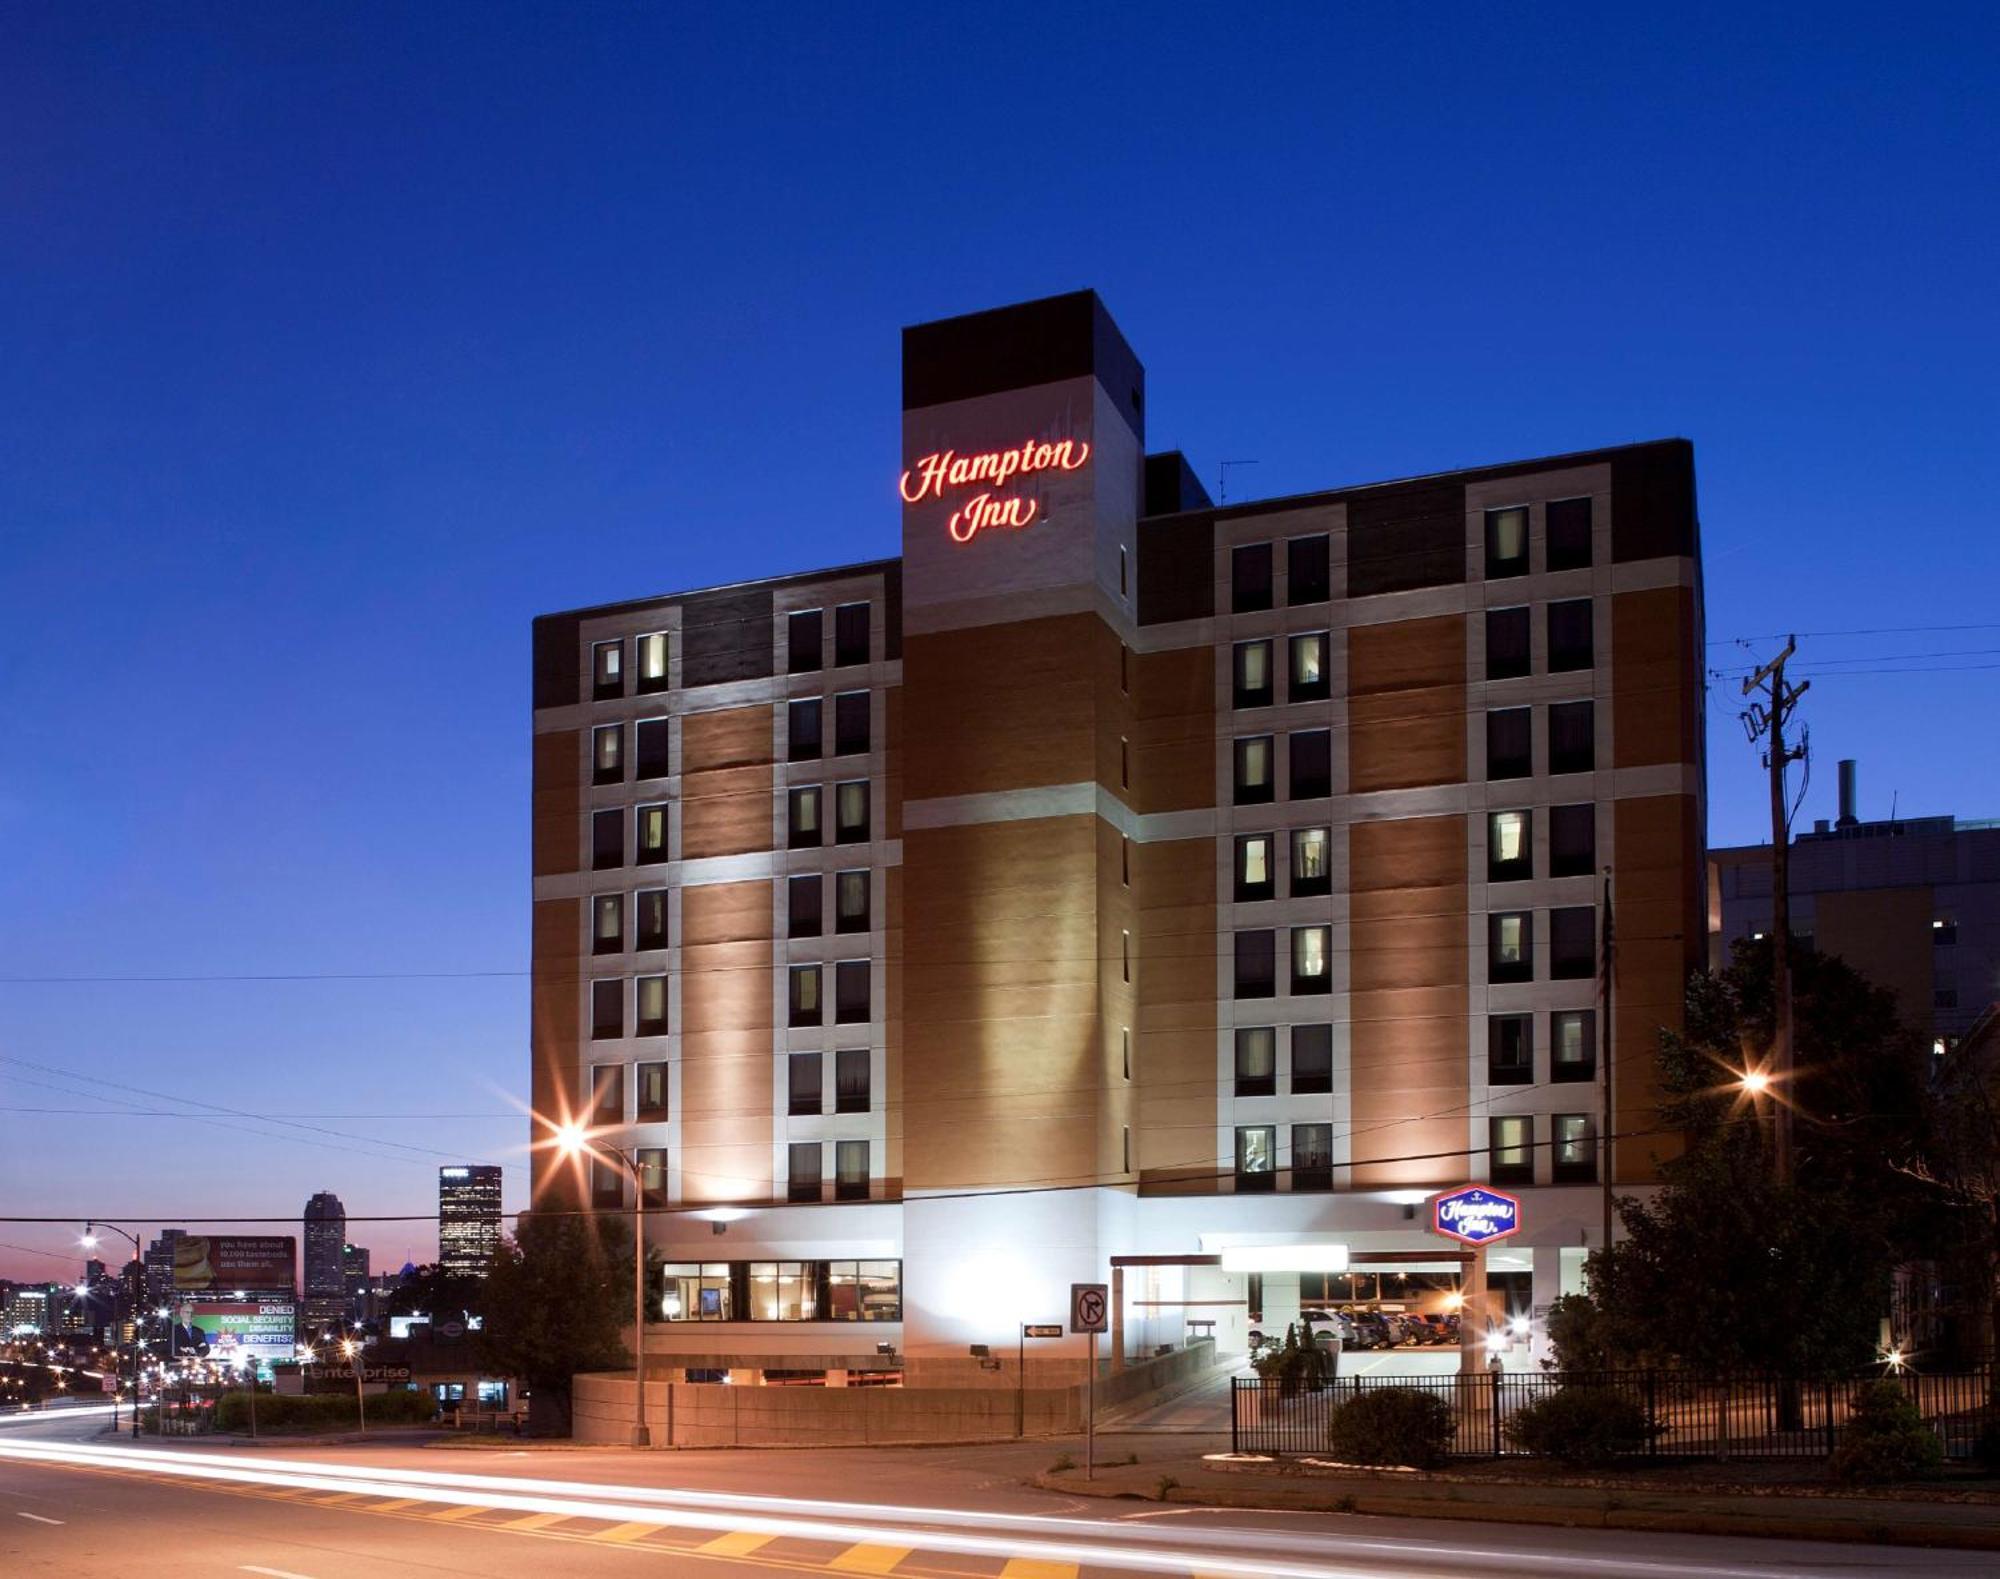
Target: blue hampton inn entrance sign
(1475, 1215)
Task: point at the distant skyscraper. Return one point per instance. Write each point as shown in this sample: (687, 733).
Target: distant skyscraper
(468, 1218)
(354, 1269)
(160, 1266)
(325, 1302)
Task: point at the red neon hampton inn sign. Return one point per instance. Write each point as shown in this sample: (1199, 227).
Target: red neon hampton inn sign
(947, 469)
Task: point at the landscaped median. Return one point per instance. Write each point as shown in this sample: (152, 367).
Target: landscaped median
(1693, 1499)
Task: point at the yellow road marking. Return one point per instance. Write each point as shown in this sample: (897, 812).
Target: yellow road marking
(464, 1512)
(867, 1559)
(1036, 1568)
(393, 1504)
(534, 1521)
(737, 1543)
(334, 1499)
(636, 1531)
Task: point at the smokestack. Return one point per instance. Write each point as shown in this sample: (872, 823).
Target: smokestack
(1847, 817)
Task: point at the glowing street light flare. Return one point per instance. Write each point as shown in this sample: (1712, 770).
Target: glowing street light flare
(1755, 1082)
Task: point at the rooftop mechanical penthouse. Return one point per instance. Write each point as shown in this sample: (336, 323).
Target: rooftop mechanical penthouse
(1113, 880)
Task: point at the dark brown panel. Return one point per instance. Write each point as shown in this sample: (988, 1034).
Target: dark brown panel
(1177, 569)
(1656, 692)
(1652, 501)
(1405, 536)
(554, 1010)
(557, 661)
(1018, 347)
(557, 831)
(726, 636)
(1658, 887)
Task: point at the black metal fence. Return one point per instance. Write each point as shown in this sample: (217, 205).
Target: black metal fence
(1692, 1415)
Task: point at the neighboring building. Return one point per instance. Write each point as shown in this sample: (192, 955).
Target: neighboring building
(323, 1304)
(1114, 879)
(468, 1218)
(354, 1275)
(160, 1266)
(32, 1309)
(1913, 903)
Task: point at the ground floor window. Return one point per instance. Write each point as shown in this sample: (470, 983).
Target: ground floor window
(781, 1291)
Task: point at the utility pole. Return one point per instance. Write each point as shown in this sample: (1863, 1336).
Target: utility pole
(1765, 719)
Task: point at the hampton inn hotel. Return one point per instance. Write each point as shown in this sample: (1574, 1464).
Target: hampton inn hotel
(1119, 887)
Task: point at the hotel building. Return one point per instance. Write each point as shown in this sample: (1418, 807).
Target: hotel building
(1115, 879)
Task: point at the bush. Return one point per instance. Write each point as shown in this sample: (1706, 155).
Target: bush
(1295, 1365)
(1581, 1426)
(1885, 1439)
(287, 1412)
(1392, 1425)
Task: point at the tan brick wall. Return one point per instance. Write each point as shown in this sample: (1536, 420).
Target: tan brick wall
(726, 783)
(726, 1003)
(1173, 730)
(1173, 1054)
(1657, 889)
(1655, 704)
(555, 1007)
(1003, 706)
(1406, 704)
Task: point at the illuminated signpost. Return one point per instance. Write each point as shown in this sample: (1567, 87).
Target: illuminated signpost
(1476, 1217)
(996, 469)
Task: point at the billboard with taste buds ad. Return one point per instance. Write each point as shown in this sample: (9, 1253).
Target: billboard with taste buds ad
(225, 1264)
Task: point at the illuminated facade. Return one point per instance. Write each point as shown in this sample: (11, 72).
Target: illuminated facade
(1112, 874)
(468, 1219)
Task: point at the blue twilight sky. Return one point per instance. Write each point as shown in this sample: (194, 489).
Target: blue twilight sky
(337, 341)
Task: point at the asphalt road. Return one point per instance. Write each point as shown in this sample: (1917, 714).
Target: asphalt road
(74, 1503)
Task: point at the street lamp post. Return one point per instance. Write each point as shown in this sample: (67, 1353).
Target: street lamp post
(352, 1348)
(575, 1143)
(89, 1242)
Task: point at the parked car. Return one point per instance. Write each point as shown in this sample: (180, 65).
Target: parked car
(1437, 1327)
(1330, 1327)
(1371, 1329)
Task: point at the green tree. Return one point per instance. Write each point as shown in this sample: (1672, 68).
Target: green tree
(432, 1291)
(555, 1304)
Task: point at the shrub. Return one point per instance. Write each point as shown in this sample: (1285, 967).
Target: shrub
(1885, 1439)
(1295, 1365)
(288, 1412)
(1581, 1426)
(1392, 1425)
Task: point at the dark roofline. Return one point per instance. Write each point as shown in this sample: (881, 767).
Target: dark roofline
(790, 578)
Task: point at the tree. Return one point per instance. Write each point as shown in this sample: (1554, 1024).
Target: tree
(432, 1291)
(555, 1303)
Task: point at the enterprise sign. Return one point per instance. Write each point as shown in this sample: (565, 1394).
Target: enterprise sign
(996, 469)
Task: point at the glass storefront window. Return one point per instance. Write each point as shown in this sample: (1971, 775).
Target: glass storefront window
(695, 1291)
(782, 1291)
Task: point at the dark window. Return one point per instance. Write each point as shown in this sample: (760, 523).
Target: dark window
(802, 1171)
(1510, 847)
(850, 992)
(850, 1170)
(1572, 1045)
(655, 668)
(1253, 674)
(607, 924)
(851, 1080)
(1944, 931)
(1573, 943)
(1255, 783)
(1312, 959)
(1250, 578)
(1572, 737)
(652, 762)
(802, 730)
(607, 1183)
(1569, 635)
(1511, 1149)
(1510, 946)
(650, 1006)
(1508, 656)
(803, 906)
(1311, 764)
(607, 754)
(1510, 743)
(652, 928)
(802, 642)
(1510, 1049)
(803, 1086)
(804, 1006)
(1507, 542)
(1572, 840)
(803, 828)
(1312, 865)
(1308, 573)
(850, 812)
(652, 1162)
(1310, 679)
(1256, 1159)
(607, 840)
(1312, 1156)
(851, 902)
(607, 1094)
(1575, 1149)
(607, 1009)
(1256, 1061)
(1253, 868)
(850, 724)
(850, 634)
(1312, 1060)
(1256, 964)
(652, 1093)
(1569, 534)
(607, 670)
(652, 826)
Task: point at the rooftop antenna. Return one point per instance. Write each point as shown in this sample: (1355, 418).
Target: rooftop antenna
(1222, 479)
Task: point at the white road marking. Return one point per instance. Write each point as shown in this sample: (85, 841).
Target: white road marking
(36, 1517)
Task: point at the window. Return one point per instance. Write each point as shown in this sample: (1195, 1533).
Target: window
(1256, 1061)
(1510, 946)
(607, 1183)
(696, 1292)
(1256, 1158)
(803, 1084)
(1250, 578)
(864, 1290)
(1311, 764)
(1312, 963)
(652, 835)
(1572, 737)
(1125, 956)
(1508, 655)
(652, 1093)
(607, 670)
(1572, 840)
(607, 1009)
(851, 902)
(802, 821)
(850, 635)
(1124, 571)
(1510, 1149)
(607, 840)
(802, 1171)
(802, 641)
(1124, 762)
(1308, 570)
(1312, 1060)
(1572, 1046)
(650, 1005)
(805, 1008)
(1569, 534)
(1509, 743)
(607, 754)
(1509, 848)
(652, 929)
(1124, 861)
(1125, 1051)
(607, 1094)
(1944, 997)
(1510, 1049)
(1124, 668)
(850, 808)
(1569, 635)
(1312, 1156)
(652, 651)
(652, 1162)
(1253, 867)
(1254, 786)
(1310, 679)
(1575, 1149)
(851, 1080)
(850, 1170)
(607, 924)
(1312, 864)
(802, 731)
(1573, 943)
(1944, 931)
(652, 754)
(1253, 674)
(850, 724)
(803, 906)
(1507, 542)
(851, 1004)
(1256, 964)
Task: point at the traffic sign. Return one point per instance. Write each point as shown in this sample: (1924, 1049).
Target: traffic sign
(1051, 1329)
(1089, 1307)
(1475, 1215)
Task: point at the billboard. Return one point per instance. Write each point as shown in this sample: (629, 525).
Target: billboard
(256, 1263)
(225, 1330)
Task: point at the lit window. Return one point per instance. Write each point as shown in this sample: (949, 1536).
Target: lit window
(1573, 1045)
(1254, 785)
(1312, 867)
(850, 902)
(607, 754)
(652, 1162)
(651, 997)
(1253, 867)
(607, 670)
(1311, 951)
(1510, 945)
(850, 1170)
(1256, 1158)
(1256, 1061)
(607, 925)
(652, 1093)
(1575, 1148)
(804, 1004)
(1310, 680)
(607, 1094)
(652, 835)
(1253, 674)
(1507, 542)
(653, 667)
(850, 806)
(803, 824)
(1507, 852)
(1511, 1158)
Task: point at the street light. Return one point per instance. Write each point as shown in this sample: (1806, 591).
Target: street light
(1755, 1082)
(573, 1141)
(352, 1350)
(89, 1242)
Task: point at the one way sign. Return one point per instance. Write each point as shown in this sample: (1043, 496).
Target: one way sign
(1089, 1307)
